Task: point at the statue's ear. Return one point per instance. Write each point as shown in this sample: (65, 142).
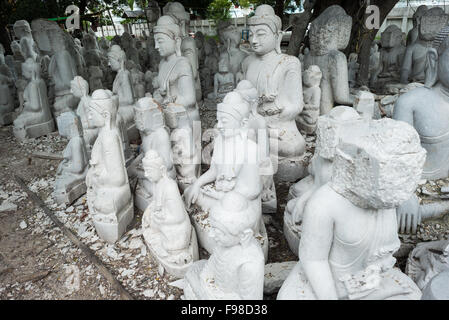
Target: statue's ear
(431, 67)
(278, 42)
(178, 41)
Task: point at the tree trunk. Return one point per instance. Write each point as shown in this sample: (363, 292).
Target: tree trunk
(299, 22)
(279, 8)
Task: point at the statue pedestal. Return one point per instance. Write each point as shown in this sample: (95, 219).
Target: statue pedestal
(6, 118)
(174, 269)
(201, 222)
(71, 192)
(111, 227)
(290, 169)
(35, 130)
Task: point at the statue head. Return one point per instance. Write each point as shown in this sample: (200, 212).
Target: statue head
(223, 63)
(232, 114)
(69, 125)
(154, 166)
(79, 87)
(431, 22)
(179, 14)
(380, 168)
(89, 42)
(102, 109)
(312, 76)
(148, 115)
(330, 31)
(31, 69)
(199, 39)
(418, 14)
(126, 40)
(391, 37)
(104, 44)
(228, 33)
(436, 66)
(265, 30)
(167, 37)
(117, 57)
(232, 220)
(22, 29)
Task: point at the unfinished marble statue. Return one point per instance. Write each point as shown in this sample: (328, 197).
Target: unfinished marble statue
(6, 93)
(127, 43)
(188, 46)
(175, 81)
(349, 229)
(340, 122)
(80, 89)
(108, 192)
(329, 35)
(123, 88)
(230, 37)
(70, 183)
(353, 69)
(185, 148)
(166, 225)
(414, 64)
(235, 270)
(427, 260)
(277, 78)
(308, 118)
(155, 136)
(391, 54)
(22, 30)
(235, 166)
(35, 120)
(413, 34)
(427, 110)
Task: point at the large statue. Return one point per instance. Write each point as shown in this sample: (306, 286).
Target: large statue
(235, 270)
(427, 110)
(70, 181)
(391, 54)
(165, 223)
(414, 64)
(329, 35)
(175, 81)
(413, 34)
(188, 46)
(108, 195)
(277, 78)
(349, 229)
(35, 119)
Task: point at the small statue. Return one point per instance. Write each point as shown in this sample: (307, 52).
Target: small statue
(108, 193)
(165, 223)
(329, 35)
(413, 34)
(235, 270)
(70, 183)
(391, 54)
(224, 82)
(128, 44)
(311, 80)
(349, 228)
(35, 120)
(230, 37)
(210, 67)
(414, 64)
(137, 78)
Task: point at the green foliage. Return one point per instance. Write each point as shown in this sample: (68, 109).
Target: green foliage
(219, 10)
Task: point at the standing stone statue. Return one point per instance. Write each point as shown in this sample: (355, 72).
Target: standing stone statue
(307, 119)
(391, 54)
(165, 223)
(329, 35)
(70, 183)
(108, 195)
(349, 229)
(35, 120)
(277, 78)
(427, 110)
(413, 34)
(235, 270)
(175, 81)
(414, 64)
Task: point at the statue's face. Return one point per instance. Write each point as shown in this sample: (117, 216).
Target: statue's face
(223, 65)
(114, 63)
(233, 34)
(76, 89)
(391, 39)
(227, 125)
(222, 236)
(262, 39)
(94, 119)
(153, 174)
(164, 44)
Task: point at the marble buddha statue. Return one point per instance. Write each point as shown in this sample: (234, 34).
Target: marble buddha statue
(70, 181)
(109, 195)
(7, 89)
(175, 81)
(413, 34)
(329, 34)
(35, 119)
(427, 110)
(224, 80)
(391, 54)
(22, 30)
(123, 88)
(307, 119)
(155, 135)
(349, 228)
(414, 63)
(166, 225)
(235, 269)
(277, 78)
(230, 37)
(188, 46)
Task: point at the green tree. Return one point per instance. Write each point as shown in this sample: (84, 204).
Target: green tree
(219, 10)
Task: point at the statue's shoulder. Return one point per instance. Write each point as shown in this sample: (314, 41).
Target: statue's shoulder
(183, 65)
(247, 61)
(416, 96)
(289, 59)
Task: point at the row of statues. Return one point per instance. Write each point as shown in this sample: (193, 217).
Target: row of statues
(343, 212)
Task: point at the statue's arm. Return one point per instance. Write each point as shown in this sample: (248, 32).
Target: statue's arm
(186, 86)
(115, 170)
(339, 79)
(290, 94)
(314, 248)
(250, 280)
(78, 163)
(404, 110)
(407, 65)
